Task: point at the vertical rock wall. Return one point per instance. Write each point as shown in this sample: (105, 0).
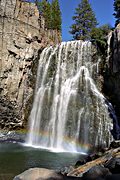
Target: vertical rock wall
(112, 71)
(22, 38)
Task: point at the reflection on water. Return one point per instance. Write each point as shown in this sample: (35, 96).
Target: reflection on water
(15, 158)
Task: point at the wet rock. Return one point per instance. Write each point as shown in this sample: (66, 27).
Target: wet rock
(12, 136)
(115, 144)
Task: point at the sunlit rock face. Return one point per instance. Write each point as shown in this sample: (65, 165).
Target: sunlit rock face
(68, 109)
(112, 74)
(22, 37)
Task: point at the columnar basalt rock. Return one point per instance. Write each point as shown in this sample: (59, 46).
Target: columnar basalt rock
(114, 60)
(22, 38)
(112, 72)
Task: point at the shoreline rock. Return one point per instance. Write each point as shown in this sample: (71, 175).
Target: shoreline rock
(12, 136)
(42, 174)
(99, 167)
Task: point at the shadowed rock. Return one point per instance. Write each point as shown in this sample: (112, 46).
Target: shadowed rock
(96, 172)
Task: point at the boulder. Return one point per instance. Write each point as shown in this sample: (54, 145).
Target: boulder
(114, 165)
(96, 172)
(39, 174)
(42, 174)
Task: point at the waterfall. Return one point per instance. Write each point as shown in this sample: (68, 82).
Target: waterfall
(69, 111)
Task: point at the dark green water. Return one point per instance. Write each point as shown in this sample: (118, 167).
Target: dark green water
(15, 158)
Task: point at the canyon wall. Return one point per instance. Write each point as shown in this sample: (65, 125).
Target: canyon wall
(112, 70)
(22, 37)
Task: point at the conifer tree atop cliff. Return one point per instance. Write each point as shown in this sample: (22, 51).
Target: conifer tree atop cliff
(117, 11)
(85, 20)
(45, 10)
(56, 15)
(51, 12)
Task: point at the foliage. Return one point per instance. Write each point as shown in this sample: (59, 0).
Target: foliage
(51, 12)
(117, 11)
(85, 20)
(45, 10)
(56, 15)
(99, 36)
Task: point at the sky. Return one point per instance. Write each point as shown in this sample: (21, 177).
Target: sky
(103, 10)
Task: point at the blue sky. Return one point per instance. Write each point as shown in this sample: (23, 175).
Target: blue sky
(102, 8)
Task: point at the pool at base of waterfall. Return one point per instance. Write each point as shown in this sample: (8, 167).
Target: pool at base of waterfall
(16, 158)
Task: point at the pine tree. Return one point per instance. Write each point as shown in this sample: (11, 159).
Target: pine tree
(45, 10)
(51, 12)
(55, 15)
(117, 11)
(48, 16)
(85, 20)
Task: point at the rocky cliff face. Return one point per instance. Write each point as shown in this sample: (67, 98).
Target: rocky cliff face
(112, 71)
(22, 38)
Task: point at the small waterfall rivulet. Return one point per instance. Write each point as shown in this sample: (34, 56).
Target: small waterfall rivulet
(69, 112)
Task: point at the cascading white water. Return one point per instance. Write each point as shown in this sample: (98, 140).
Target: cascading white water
(68, 109)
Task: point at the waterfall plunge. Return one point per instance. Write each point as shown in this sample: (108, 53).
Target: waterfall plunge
(68, 109)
